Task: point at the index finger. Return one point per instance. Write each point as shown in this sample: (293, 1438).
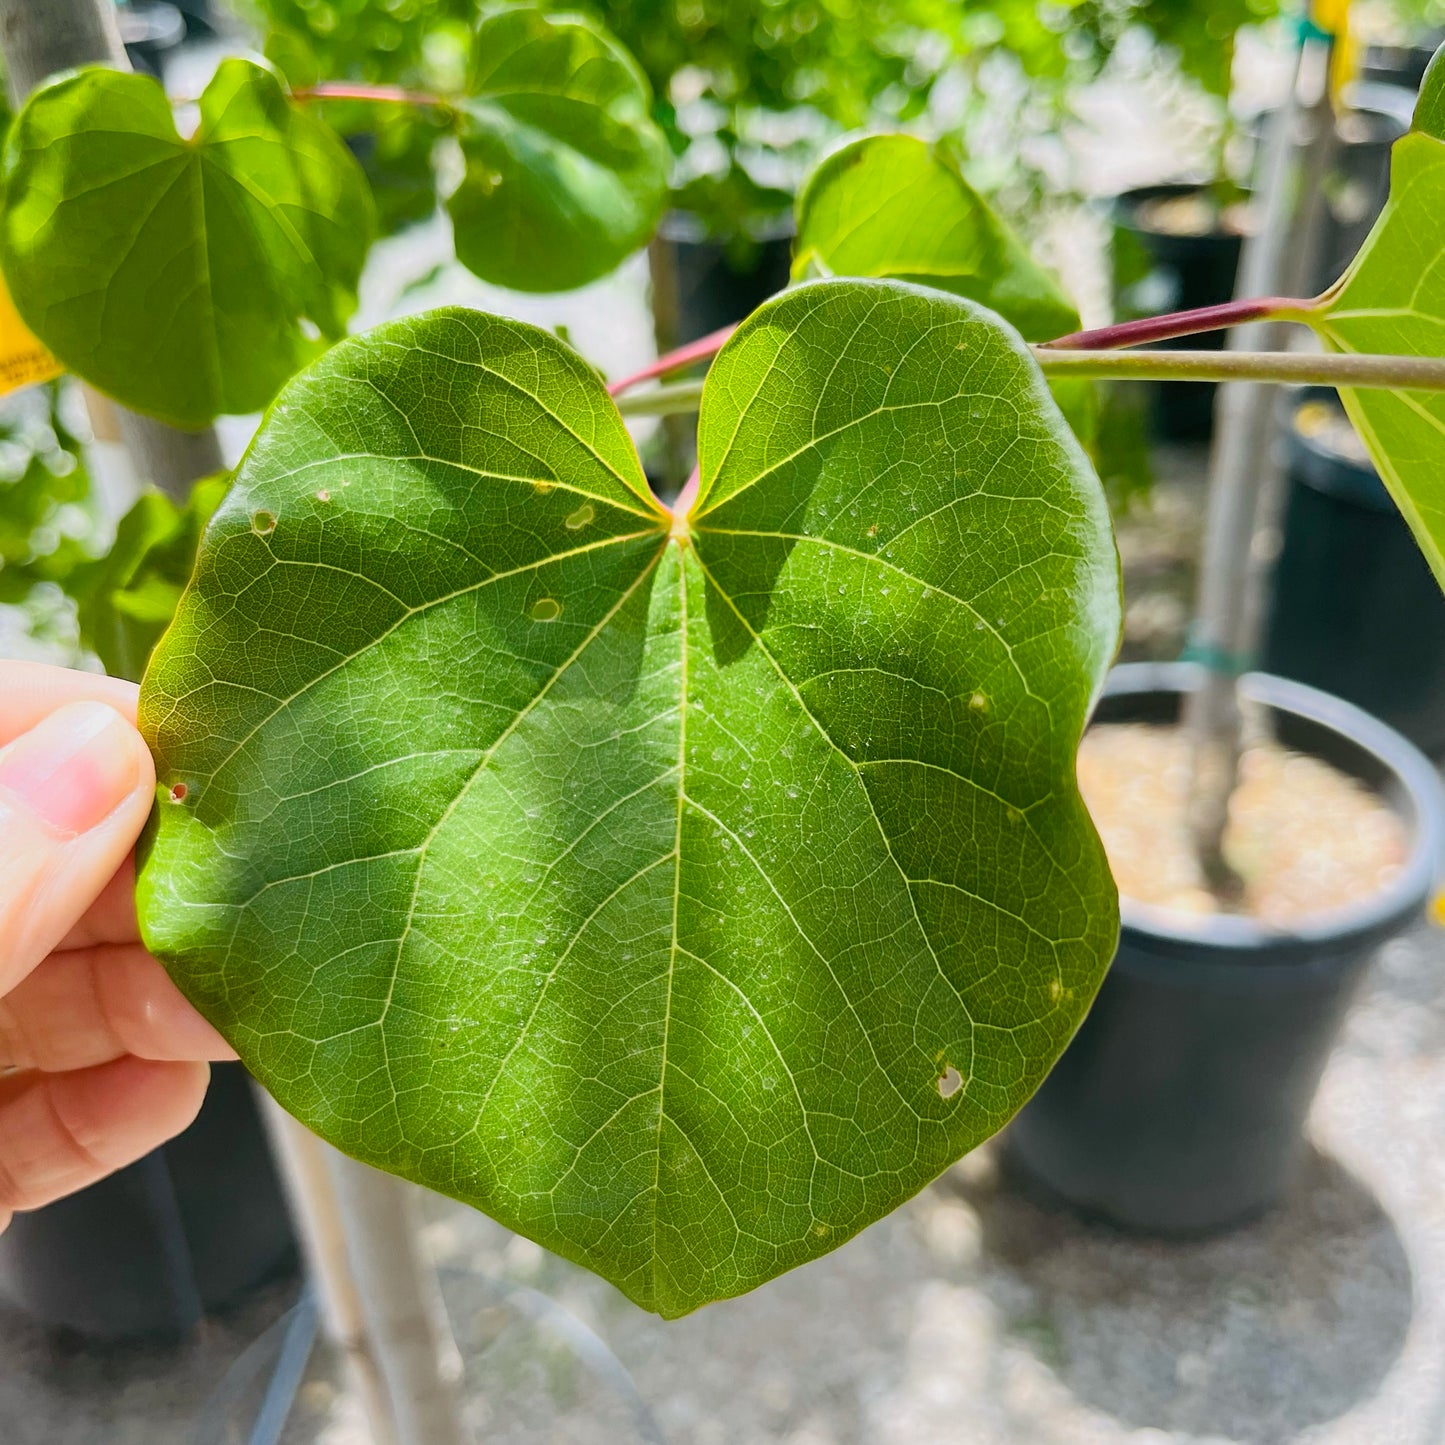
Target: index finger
(30, 691)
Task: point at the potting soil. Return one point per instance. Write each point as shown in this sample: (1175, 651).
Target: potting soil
(1304, 837)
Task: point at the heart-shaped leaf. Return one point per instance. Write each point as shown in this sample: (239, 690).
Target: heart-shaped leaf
(684, 894)
(893, 205)
(1391, 301)
(184, 277)
(566, 173)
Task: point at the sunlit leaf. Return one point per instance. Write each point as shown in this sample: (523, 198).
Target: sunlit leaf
(565, 171)
(892, 205)
(1392, 301)
(684, 895)
(185, 277)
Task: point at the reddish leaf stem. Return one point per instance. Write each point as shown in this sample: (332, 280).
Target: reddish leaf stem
(1105, 338)
(1187, 323)
(699, 350)
(685, 498)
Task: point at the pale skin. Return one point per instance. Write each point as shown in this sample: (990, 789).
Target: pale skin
(101, 1058)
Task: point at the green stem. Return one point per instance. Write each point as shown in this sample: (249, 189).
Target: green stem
(1413, 373)
(673, 400)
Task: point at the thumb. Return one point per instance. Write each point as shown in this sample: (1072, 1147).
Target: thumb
(74, 793)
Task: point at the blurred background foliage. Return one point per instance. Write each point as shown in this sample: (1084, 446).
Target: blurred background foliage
(748, 91)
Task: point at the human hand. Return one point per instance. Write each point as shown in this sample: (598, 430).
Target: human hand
(101, 1058)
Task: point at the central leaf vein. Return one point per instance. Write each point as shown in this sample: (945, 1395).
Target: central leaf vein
(491, 752)
(853, 767)
(676, 893)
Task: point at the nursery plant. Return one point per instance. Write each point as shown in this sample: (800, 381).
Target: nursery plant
(685, 886)
(724, 74)
(241, 245)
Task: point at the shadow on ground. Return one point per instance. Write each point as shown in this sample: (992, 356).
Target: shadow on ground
(1255, 1335)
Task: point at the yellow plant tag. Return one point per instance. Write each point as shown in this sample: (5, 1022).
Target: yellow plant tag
(1436, 909)
(23, 360)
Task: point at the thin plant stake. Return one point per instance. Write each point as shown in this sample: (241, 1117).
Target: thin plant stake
(1243, 445)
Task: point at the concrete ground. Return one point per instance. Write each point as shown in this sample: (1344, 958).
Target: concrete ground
(974, 1315)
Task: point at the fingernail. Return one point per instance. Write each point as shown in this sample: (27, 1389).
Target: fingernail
(73, 769)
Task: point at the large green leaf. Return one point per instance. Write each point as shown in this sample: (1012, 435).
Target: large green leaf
(893, 205)
(1392, 301)
(685, 896)
(186, 277)
(566, 173)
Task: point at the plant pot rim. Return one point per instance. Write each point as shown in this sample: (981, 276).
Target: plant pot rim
(1381, 914)
(1127, 204)
(1320, 467)
(683, 227)
(151, 22)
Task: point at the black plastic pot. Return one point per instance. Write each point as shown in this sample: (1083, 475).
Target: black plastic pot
(1358, 182)
(718, 282)
(1402, 65)
(190, 1229)
(1355, 609)
(1185, 272)
(1179, 1107)
(199, 17)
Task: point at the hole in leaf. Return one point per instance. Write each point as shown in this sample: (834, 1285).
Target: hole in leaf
(950, 1081)
(263, 523)
(546, 609)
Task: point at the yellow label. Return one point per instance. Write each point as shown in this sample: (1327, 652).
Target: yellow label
(23, 360)
(1333, 17)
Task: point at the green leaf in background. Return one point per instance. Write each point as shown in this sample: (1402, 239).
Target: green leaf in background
(44, 483)
(185, 278)
(684, 895)
(893, 205)
(126, 599)
(1430, 105)
(1392, 301)
(566, 174)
